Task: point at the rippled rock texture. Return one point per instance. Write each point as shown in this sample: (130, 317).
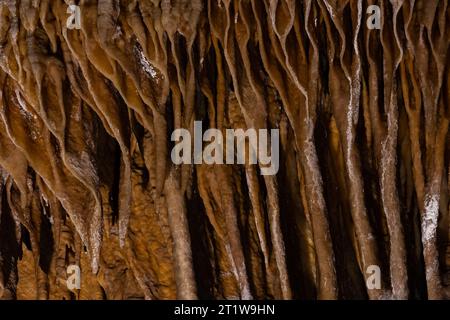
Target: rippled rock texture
(86, 117)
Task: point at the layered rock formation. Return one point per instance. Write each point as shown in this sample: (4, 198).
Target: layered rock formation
(86, 117)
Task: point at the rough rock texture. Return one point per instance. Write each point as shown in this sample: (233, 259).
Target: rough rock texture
(86, 118)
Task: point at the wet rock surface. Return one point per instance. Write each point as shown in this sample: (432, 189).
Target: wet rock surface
(86, 116)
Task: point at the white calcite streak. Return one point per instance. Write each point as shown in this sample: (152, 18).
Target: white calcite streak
(430, 218)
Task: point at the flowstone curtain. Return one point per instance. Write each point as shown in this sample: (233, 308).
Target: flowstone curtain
(91, 92)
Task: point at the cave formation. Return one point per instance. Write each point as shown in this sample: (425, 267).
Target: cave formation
(86, 116)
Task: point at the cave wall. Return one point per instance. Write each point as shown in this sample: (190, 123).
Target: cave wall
(86, 177)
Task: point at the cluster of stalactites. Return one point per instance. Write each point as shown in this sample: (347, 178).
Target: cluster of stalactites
(86, 116)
